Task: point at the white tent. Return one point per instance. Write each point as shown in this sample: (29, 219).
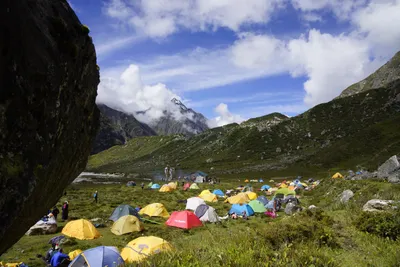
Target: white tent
(193, 202)
(210, 216)
(199, 179)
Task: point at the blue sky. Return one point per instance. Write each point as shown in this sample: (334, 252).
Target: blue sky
(236, 59)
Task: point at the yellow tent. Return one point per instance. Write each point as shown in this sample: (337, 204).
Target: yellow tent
(141, 247)
(251, 195)
(194, 186)
(73, 254)
(283, 185)
(155, 210)
(173, 185)
(126, 224)
(240, 198)
(204, 192)
(209, 197)
(337, 175)
(291, 187)
(165, 188)
(15, 264)
(80, 229)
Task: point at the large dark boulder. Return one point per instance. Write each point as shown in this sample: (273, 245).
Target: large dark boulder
(48, 116)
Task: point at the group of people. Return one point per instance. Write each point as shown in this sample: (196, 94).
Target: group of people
(55, 211)
(55, 257)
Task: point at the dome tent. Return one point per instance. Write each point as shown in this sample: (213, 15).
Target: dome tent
(123, 210)
(80, 229)
(193, 202)
(183, 219)
(218, 192)
(155, 210)
(239, 209)
(142, 247)
(126, 224)
(98, 256)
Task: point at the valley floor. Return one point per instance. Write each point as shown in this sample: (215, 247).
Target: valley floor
(331, 235)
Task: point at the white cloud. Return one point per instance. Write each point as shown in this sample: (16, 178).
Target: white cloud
(311, 17)
(127, 93)
(224, 117)
(158, 18)
(106, 47)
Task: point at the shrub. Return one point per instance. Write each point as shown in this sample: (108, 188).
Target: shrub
(85, 29)
(383, 224)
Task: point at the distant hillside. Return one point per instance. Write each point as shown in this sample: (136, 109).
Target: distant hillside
(266, 121)
(381, 78)
(116, 128)
(190, 123)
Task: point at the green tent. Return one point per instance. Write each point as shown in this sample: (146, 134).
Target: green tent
(257, 206)
(150, 184)
(285, 192)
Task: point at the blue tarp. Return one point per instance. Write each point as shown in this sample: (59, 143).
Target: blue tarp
(238, 209)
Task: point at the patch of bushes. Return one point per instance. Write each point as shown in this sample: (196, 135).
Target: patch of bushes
(85, 29)
(383, 224)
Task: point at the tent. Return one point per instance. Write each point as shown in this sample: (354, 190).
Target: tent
(150, 184)
(251, 195)
(155, 210)
(142, 247)
(240, 198)
(165, 188)
(207, 214)
(337, 175)
(283, 185)
(285, 192)
(291, 187)
(131, 183)
(73, 254)
(209, 197)
(257, 206)
(261, 181)
(80, 229)
(194, 186)
(126, 224)
(155, 186)
(173, 185)
(263, 200)
(246, 181)
(204, 192)
(218, 192)
(183, 219)
(98, 256)
(265, 187)
(199, 176)
(186, 186)
(193, 202)
(239, 209)
(123, 210)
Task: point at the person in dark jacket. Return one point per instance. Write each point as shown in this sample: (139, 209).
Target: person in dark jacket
(64, 211)
(55, 212)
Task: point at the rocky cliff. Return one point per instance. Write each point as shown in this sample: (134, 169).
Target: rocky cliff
(381, 78)
(116, 128)
(48, 116)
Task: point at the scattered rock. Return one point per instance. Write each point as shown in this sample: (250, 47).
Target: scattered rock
(278, 150)
(42, 229)
(394, 178)
(210, 160)
(388, 167)
(96, 220)
(291, 208)
(374, 205)
(312, 207)
(346, 195)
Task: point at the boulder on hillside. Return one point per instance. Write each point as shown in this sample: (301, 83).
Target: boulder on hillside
(291, 208)
(43, 227)
(374, 205)
(363, 176)
(48, 115)
(390, 166)
(346, 196)
(394, 178)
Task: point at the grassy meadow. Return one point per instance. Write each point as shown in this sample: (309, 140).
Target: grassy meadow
(334, 234)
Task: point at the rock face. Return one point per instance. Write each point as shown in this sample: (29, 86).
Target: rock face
(116, 128)
(394, 178)
(383, 76)
(378, 205)
(390, 166)
(48, 116)
(346, 195)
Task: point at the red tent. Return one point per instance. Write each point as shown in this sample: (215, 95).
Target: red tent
(186, 186)
(183, 219)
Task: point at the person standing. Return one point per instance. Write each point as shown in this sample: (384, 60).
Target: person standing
(142, 185)
(55, 212)
(96, 194)
(64, 211)
(166, 171)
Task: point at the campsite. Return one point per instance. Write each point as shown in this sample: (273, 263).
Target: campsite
(322, 236)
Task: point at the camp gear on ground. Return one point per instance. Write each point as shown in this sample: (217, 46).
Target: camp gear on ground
(183, 219)
(193, 202)
(55, 240)
(123, 210)
(239, 209)
(73, 254)
(126, 224)
(142, 247)
(80, 229)
(155, 210)
(98, 256)
(337, 175)
(257, 206)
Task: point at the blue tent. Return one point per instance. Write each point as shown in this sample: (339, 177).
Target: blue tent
(218, 192)
(98, 256)
(261, 180)
(265, 187)
(238, 209)
(123, 210)
(263, 200)
(155, 186)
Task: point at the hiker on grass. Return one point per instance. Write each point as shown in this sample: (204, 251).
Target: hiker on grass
(64, 211)
(55, 212)
(96, 195)
(142, 185)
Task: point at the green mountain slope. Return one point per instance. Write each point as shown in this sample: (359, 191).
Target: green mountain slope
(360, 129)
